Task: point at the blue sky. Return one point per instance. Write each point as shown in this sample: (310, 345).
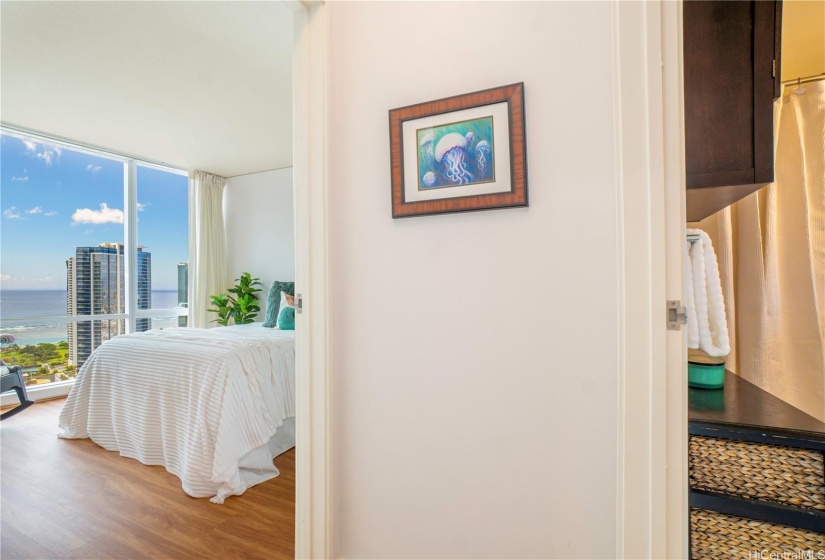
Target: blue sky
(53, 200)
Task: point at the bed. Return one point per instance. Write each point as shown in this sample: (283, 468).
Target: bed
(213, 406)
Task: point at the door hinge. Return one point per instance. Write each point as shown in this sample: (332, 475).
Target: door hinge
(773, 68)
(299, 303)
(676, 315)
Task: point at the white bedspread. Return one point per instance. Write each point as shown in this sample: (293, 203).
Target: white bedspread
(213, 406)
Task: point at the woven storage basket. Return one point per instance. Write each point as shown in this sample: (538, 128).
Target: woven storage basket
(752, 470)
(714, 535)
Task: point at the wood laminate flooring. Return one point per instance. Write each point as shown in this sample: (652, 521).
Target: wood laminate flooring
(73, 499)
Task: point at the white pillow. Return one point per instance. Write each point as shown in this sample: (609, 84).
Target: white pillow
(286, 301)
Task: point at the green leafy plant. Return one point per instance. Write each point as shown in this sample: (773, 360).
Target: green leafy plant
(242, 305)
(246, 302)
(223, 307)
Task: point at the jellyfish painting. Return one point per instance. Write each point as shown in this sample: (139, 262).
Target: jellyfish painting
(450, 152)
(427, 144)
(482, 151)
(455, 155)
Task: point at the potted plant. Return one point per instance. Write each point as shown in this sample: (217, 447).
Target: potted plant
(246, 305)
(223, 307)
(240, 304)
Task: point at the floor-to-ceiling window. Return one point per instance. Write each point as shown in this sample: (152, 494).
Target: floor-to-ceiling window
(162, 231)
(92, 244)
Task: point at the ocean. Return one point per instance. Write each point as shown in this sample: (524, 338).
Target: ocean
(30, 304)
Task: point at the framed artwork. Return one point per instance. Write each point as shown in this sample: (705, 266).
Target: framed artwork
(459, 154)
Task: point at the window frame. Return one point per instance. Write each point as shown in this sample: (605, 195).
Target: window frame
(130, 245)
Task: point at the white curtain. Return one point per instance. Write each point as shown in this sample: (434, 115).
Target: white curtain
(771, 252)
(207, 245)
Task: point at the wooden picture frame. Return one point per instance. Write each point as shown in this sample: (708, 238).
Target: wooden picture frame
(460, 153)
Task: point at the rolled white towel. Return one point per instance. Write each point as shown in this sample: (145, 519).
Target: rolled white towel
(708, 302)
(690, 301)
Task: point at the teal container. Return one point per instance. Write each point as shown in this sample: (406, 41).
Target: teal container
(706, 375)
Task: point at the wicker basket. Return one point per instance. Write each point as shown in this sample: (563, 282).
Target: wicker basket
(714, 535)
(752, 470)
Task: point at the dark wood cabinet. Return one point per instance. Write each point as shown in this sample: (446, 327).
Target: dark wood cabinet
(736, 508)
(731, 77)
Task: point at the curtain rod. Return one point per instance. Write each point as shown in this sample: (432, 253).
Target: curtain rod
(806, 79)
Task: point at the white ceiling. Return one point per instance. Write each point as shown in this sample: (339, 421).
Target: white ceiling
(198, 85)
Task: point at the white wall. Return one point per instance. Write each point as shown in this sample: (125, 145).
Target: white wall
(475, 354)
(260, 232)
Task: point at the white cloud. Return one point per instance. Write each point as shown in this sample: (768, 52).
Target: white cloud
(51, 213)
(22, 178)
(141, 207)
(49, 154)
(95, 169)
(87, 232)
(35, 210)
(105, 215)
(10, 213)
(46, 156)
(23, 280)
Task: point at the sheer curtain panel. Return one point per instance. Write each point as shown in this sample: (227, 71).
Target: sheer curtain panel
(207, 244)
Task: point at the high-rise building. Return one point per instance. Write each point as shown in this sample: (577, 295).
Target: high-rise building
(183, 290)
(96, 286)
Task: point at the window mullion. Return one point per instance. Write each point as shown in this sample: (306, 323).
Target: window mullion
(130, 244)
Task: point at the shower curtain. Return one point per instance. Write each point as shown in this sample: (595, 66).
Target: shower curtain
(771, 252)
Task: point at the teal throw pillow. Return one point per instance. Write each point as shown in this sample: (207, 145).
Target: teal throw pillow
(273, 301)
(286, 318)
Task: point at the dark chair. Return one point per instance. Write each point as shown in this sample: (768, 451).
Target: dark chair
(12, 380)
